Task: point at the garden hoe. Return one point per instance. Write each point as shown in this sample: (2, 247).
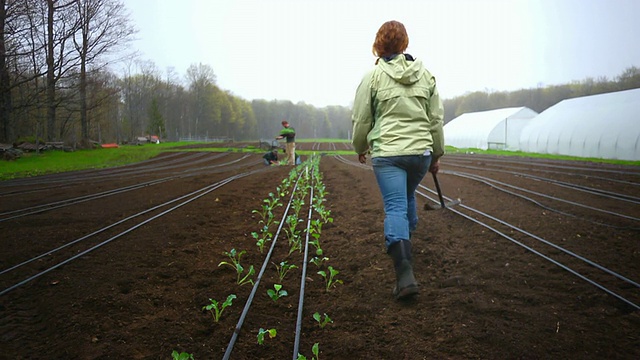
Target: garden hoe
(442, 205)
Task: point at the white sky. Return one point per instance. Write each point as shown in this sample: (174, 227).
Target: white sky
(316, 51)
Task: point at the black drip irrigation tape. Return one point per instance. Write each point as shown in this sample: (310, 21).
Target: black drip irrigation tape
(209, 189)
(619, 297)
(296, 343)
(247, 305)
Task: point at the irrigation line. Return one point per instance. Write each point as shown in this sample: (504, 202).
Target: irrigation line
(247, 305)
(214, 187)
(63, 203)
(576, 187)
(72, 178)
(607, 179)
(106, 228)
(489, 181)
(619, 297)
(557, 247)
(296, 343)
(546, 164)
(78, 200)
(635, 306)
(543, 205)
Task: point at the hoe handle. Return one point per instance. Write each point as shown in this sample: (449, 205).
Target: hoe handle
(435, 180)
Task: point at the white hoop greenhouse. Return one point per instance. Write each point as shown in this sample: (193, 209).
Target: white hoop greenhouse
(605, 126)
(493, 129)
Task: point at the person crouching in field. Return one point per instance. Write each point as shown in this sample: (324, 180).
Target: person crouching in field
(271, 158)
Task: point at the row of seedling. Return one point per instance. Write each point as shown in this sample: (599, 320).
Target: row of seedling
(267, 226)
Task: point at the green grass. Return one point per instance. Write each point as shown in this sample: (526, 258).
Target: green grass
(452, 150)
(48, 162)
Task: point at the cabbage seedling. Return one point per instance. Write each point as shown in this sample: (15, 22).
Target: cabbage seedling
(262, 238)
(319, 260)
(283, 269)
(234, 256)
(262, 332)
(277, 293)
(216, 308)
(330, 279)
(297, 205)
(322, 322)
(181, 356)
(235, 264)
(246, 279)
(315, 350)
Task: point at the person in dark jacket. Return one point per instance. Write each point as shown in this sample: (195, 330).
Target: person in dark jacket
(397, 119)
(289, 133)
(271, 157)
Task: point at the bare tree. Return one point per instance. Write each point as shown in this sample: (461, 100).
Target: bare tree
(202, 79)
(104, 28)
(62, 24)
(5, 92)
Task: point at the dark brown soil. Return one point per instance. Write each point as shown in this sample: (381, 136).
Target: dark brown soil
(140, 296)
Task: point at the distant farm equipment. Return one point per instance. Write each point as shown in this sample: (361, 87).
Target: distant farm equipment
(149, 139)
(267, 145)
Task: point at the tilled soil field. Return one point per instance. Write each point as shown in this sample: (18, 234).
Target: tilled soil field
(136, 288)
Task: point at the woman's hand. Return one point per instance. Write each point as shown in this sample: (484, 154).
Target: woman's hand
(362, 158)
(435, 166)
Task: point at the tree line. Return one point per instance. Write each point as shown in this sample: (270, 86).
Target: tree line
(57, 83)
(540, 98)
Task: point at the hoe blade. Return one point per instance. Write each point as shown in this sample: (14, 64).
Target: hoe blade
(430, 207)
(442, 204)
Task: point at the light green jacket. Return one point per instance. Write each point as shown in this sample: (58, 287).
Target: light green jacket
(398, 111)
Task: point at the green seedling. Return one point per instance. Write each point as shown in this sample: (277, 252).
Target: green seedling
(283, 269)
(318, 261)
(316, 244)
(315, 230)
(235, 264)
(216, 308)
(181, 356)
(292, 223)
(293, 234)
(277, 292)
(295, 245)
(266, 209)
(322, 322)
(263, 237)
(234, 256)
(247, 278)
(297, 205)
(260, 241)
(315, 349)
(318, 206)
(262, 332)
(330, 279)
(282, 190)
(320, 188)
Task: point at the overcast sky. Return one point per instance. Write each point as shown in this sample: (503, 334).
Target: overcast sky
(316, 51)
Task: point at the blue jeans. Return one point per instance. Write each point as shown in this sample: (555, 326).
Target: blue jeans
(398, 178)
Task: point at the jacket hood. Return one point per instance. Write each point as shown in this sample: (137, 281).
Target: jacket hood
(401, 69)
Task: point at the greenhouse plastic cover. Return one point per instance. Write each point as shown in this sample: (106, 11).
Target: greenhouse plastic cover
(603, 126)
(496, 129)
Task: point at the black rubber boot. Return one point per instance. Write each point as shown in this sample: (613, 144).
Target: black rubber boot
(406, 285)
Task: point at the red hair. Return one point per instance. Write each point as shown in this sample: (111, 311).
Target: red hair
(391, 39)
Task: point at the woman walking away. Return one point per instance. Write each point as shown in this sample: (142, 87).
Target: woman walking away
(397, 118)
